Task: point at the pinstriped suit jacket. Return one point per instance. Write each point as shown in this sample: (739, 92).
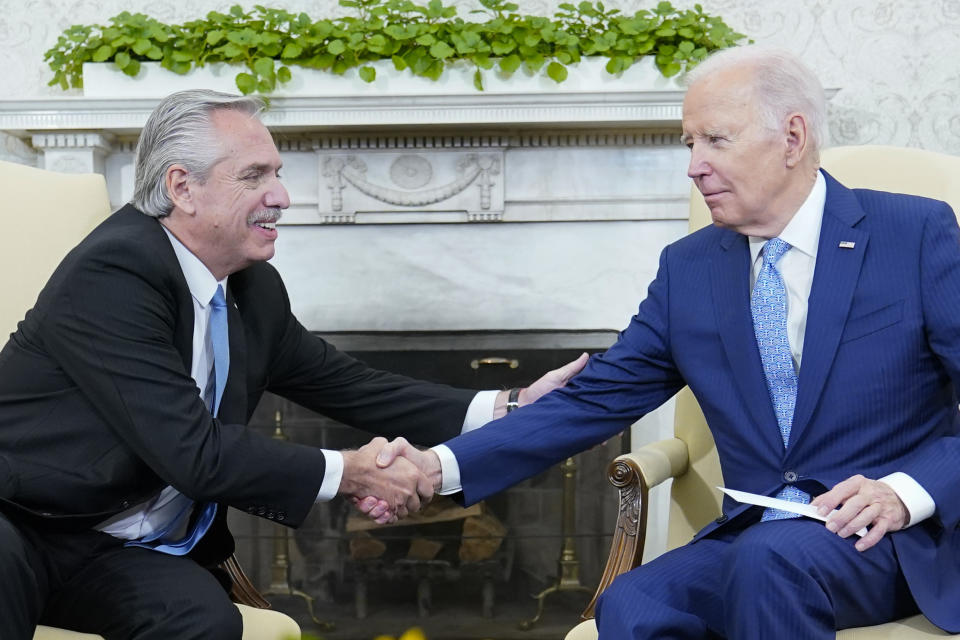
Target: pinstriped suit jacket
(877, 390)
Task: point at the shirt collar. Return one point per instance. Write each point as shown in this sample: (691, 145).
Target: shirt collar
(803, 231)
(200, 281)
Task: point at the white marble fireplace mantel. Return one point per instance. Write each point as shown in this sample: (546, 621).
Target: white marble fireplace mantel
(443, 211)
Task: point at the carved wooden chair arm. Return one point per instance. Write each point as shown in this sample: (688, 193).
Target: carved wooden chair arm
(242, 591)
(633, 474)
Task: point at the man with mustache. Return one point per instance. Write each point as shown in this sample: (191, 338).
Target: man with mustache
(125, 393)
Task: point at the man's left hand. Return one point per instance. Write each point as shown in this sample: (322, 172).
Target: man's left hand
(545, 384)
(866, 503)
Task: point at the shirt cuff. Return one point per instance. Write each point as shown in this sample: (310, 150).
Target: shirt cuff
(919, 503)
(480, 411)
(331, 476)
(449, 470)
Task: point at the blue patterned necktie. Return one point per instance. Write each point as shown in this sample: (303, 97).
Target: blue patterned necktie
(158, 540)
(769, 307)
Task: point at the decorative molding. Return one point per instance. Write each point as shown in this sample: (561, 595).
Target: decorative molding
(74, 151)
(551, 138)
(362, 183)
(73, 140)
(635, 109)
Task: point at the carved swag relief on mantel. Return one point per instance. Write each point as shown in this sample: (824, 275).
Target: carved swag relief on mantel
(399, 186)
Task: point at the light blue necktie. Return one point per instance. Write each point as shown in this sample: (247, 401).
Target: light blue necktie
(769, 307)
(158, 540)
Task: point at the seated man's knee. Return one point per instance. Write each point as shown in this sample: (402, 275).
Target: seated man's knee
(220, 622)
(766, 551)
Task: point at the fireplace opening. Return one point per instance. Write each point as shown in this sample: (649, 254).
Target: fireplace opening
(456, 573)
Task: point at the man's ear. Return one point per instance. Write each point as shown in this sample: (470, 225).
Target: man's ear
(796, 139)
(179, 188)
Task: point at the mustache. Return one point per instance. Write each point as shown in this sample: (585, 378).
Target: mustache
(270, 214)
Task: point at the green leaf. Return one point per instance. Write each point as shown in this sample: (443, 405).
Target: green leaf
(478, 80)
(263, 67)
(103, 53)
(426, 40)
(233, 51)
(367, 73)
(441, 50)
(141, 46)
(510, 64)
(291, 50)
(132, 69)
(557, 71)
(246, 83)
(284, 75)
(122, 59)
(503, 47)
(336, 47)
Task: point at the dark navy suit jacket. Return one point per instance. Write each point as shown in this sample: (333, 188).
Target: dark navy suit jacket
(98, 411)
(877, 386)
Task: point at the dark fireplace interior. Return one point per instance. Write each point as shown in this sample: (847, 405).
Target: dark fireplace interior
(455, 573)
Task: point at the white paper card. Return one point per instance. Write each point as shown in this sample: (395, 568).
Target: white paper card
(806, 510)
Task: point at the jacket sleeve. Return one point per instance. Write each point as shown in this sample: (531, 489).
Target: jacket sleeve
(313, 373)
(636, 375)
(935, 465)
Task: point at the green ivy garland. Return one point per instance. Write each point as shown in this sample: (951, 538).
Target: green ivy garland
(423, 38)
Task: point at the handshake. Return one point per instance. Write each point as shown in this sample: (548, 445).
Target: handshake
(390, 480)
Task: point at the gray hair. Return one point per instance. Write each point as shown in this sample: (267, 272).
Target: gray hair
(783, 84)
(180, 131)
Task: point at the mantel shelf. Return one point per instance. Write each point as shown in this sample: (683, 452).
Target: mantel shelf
(635, 109)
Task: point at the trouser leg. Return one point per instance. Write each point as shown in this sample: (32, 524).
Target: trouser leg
(139, 594)
(23, 582)
(779, 579)
(796, 579)
(674, 597)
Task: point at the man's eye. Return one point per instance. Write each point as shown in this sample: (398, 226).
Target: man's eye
(715, 139)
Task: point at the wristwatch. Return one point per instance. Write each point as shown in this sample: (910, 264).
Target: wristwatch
(513, 399)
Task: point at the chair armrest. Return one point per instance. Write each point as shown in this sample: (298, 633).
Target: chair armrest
(242, 590)
(633, 474)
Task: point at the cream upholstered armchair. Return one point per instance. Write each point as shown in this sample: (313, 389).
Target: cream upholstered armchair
(52, 212)
(690, 457)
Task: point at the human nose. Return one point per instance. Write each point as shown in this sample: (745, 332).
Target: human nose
(277, 196)
(698, 166)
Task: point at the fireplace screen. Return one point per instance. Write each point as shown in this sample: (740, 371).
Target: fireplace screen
(454, 572)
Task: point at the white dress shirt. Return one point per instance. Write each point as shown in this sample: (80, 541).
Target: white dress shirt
(147, 517)
(796, 267)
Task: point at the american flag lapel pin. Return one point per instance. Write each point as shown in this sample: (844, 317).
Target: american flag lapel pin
(846, 244)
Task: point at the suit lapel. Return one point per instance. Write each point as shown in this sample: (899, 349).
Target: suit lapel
(155, 241)
(233, 406)
(731, 294)
(834, 282)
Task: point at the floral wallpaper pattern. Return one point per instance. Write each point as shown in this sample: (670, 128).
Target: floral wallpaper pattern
(894, 64)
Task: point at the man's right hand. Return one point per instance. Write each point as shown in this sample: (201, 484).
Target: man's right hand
(399, 487)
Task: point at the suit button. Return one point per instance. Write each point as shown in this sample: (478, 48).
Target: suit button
(271, 515)
(723, 518)
(125, 504)
(251, 510)
(281, 516)
(790, 476)
(261, 511)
